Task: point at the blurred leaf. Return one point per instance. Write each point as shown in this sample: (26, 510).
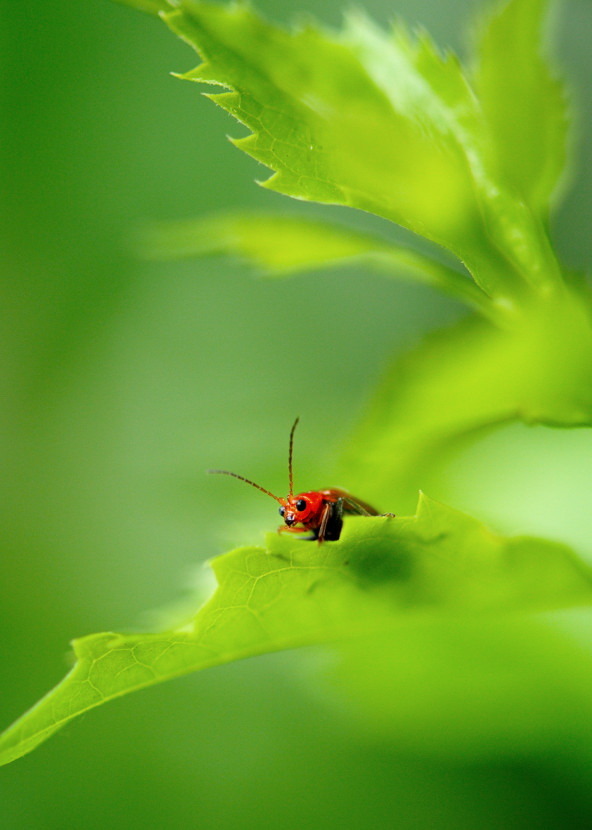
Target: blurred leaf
(523, 101)
(377, 122)
(148, 6)
(282, 245)
(380, 573)
(467, 378)
(481, 688)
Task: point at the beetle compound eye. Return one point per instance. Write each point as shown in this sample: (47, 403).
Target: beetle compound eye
(282, 511)
(300, 504)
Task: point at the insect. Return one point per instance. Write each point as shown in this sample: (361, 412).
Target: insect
(319, 512)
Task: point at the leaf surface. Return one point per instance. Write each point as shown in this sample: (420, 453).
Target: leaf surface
(465, 379)
(523, 100)
(381, 573)
(282, 245)
(377, 121)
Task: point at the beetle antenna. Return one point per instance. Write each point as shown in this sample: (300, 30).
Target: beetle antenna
(290, 474)
(248, 481)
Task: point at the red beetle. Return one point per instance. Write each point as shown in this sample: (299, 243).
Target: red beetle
(318, 511)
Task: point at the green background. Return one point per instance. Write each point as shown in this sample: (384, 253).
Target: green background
(123, 381)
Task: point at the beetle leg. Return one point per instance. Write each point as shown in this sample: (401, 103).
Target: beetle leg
(326, 515)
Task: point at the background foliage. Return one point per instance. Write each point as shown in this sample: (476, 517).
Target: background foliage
(127, 380)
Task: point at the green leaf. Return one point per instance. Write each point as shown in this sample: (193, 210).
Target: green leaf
(468, 378)
(475, 689)
(149, 6)
(377, 122)
(282, 245)
(523, 100)
(382, 573)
